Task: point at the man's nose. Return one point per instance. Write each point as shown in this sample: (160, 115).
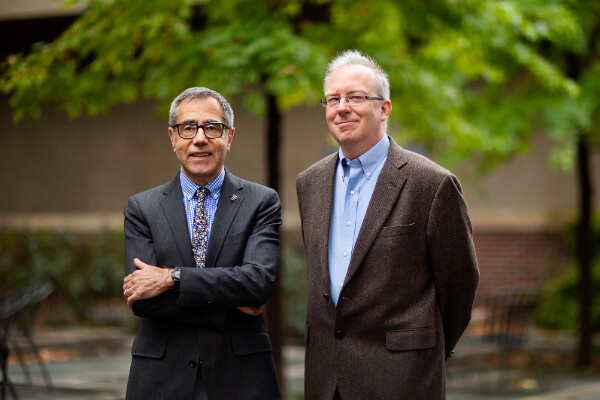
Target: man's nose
(343, 106)
(200, 137)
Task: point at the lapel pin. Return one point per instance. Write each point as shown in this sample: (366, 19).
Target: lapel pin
(234, 197)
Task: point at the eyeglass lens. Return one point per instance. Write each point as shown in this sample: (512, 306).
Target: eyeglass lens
(211, 130)
(352, 100)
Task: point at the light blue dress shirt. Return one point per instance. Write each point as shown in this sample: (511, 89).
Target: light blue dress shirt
(188, 189)
(354, 184)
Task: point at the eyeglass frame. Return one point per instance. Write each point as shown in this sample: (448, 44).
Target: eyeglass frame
(198, 126)
(362, 96)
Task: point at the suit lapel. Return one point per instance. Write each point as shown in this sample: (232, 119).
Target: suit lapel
(385, 196)
(323, 195)
(230, 200)
(174, 210)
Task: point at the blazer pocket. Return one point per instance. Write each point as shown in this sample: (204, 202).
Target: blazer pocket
(396, 230)
(252, 343)
(148, 346)
(410, 339)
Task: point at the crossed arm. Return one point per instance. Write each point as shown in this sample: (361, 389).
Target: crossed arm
(205, 295)
(150, 281)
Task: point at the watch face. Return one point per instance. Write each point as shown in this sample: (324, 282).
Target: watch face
(176, 274)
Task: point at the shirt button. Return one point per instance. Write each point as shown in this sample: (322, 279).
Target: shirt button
(348, 223)
(352, 193)
(341, 284)
(345, 254)
(368, 174)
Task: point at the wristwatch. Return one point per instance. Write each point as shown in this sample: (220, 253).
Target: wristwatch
(176, 276)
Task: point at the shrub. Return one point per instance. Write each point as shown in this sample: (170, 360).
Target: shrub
(559, 306)
(81, 268)
(294, 290)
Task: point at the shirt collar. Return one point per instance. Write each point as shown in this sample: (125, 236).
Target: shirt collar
(370, 160)
(189, 188)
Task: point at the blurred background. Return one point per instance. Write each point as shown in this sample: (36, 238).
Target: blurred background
(503, 93)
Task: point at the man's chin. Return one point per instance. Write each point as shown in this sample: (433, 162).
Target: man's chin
(346, 139)
(200, 176)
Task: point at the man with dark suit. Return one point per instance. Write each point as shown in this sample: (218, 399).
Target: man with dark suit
(201, 255)
(391, 264)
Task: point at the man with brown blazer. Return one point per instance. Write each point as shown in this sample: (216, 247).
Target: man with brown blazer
(391, 264)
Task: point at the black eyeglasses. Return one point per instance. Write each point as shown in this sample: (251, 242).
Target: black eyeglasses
(189, 130)
(352, 100)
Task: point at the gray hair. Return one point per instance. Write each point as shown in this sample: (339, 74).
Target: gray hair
(199, 93)
(355, 57)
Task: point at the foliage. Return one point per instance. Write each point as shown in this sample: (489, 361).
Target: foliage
(81, 268)
(294, 290)
(559, 305)
(570, 238)
(473, 78)
(122, 50)
(470, 78)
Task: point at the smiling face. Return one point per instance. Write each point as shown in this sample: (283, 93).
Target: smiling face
(201, 158)
(356, 128)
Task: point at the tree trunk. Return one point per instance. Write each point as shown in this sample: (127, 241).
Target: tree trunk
(584, 251)
(274, 319)
(584, 230)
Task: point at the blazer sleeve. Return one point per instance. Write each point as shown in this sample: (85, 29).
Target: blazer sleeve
(453, 260)
(249, 280)
(140, 243)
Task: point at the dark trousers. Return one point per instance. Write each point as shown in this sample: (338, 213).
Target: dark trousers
(199, 387)
(336, 396)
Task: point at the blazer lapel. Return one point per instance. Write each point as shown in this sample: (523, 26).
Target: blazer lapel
(174, 210)
(230, 200)
(323, 194)
(385, 195)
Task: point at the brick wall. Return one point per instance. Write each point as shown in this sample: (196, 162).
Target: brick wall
(511, 257)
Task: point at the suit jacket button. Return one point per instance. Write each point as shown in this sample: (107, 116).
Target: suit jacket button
(192, 363)
(339, 334)
(326, 297)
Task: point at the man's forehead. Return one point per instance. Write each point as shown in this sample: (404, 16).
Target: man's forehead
(349, 78)
(208, 102)
(207, 108)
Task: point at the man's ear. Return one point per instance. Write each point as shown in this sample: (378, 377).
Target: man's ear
(230, 138)
(386, 108)
(172, 137)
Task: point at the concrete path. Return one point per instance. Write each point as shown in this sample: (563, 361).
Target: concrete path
(93, 363)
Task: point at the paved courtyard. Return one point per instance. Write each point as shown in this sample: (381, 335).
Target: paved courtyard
(93, 363)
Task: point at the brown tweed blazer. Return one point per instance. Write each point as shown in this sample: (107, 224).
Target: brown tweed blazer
(409, 290)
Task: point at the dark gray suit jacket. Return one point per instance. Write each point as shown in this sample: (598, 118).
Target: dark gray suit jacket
(199, 327)
(409, 290)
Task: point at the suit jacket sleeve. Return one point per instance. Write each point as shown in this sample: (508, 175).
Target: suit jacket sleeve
(140, 243)
(247, 264)
(452, 255)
